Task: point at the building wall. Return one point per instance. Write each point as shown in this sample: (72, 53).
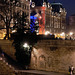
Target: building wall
(72, 24)
(7, 47)
(71, 27)
(16, 10)
(39, 13)
(55, 22)
(25, 7)
(53, 55)
(48, 55)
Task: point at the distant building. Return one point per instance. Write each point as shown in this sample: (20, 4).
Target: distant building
(47, 17)
(50, 17)
(17, 9)
(71, 26)
(25, 5)
(55, 19)
(72, 23)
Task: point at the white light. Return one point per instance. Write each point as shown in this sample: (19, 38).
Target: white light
(26, 23)
(62, 34)
(47, 32)
(13, 31)
(71, 33)
(33, 5)
(40, 17)
(25, 45)
(30, 0)
(36, 22)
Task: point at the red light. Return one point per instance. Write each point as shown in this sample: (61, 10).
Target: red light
(42, 21)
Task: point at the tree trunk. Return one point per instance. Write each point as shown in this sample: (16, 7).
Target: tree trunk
(7, 32)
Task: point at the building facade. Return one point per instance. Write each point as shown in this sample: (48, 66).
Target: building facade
(50, 18)
(71, 26)
(16, 12)
(55, 19)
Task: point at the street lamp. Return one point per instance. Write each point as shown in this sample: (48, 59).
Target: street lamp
(26, 46)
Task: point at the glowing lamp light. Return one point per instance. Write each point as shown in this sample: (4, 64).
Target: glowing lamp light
(40, 17)
(71, 33)
(47, 32)
(33, 5)
(25, 45)
(13, 31)
(62, 34)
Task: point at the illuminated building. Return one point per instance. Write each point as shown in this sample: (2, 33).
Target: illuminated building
(12, 9)
(72, 23)
(39, 13)
(25, 5)
(71, 26)
(50, 17)
(39, 17)
(55, 19)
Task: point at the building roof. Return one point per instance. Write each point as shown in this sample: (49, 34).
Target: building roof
(39, 2)
(56, 7)
(56, 4)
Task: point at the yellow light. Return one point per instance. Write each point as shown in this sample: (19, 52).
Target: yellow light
(62, 34)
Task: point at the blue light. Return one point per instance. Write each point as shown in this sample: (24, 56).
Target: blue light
(32, 17)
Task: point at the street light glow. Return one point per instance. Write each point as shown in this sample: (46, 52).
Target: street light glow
(47, 32)
(25, 45)
(13, 31)
(71, 33)
(62, 34)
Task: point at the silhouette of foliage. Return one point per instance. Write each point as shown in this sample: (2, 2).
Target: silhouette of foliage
(22, 54)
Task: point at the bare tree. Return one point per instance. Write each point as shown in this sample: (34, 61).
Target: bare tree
(8, 12)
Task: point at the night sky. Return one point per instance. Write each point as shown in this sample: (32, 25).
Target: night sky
(69, 5)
